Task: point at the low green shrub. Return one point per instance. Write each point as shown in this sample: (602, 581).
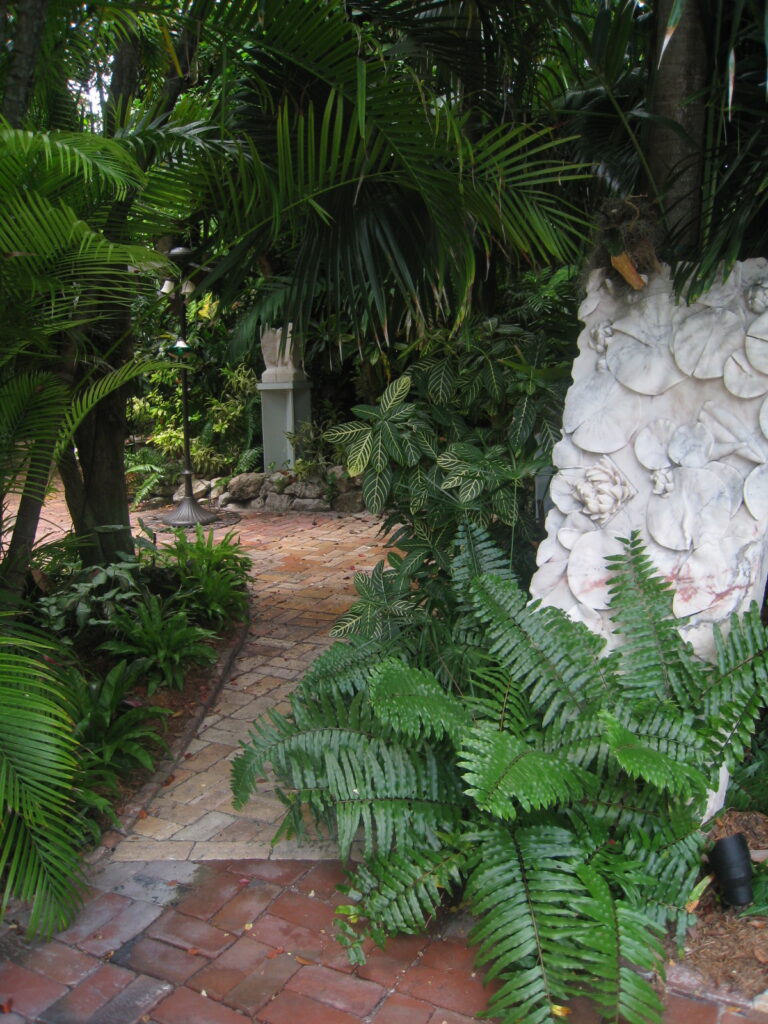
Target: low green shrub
(161, 636)
(557, 789)
(114, 733)
(211, 576)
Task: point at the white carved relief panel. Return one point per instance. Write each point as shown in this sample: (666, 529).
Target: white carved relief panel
(665, 432)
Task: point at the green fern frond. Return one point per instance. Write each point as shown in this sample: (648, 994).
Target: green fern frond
(524, 888)
(503, 771)
(733, 703)
(640, 761)
(394, 794)
(344, 667)
(492, 693)
(398, 892)
(624, 937)
(670, 856)
(477, 554)
(555, 660)
(414, 704)
(653, 655)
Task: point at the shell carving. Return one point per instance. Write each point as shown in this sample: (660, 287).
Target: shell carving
(677, 396)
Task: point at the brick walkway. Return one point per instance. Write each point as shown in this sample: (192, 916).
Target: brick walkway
(193, 918)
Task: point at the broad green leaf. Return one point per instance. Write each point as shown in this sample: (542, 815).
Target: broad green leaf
(395, 393)
(376, 487)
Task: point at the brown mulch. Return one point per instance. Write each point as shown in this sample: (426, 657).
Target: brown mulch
(731, 951)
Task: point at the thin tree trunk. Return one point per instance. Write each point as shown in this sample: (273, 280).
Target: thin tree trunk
(20, 79)
(676, 156)
(82, 519)
(15, 564)
(97, 493)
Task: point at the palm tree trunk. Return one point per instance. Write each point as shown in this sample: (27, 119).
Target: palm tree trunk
(20, 80)
(676, 156)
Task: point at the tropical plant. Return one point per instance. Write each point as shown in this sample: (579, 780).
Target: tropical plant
(40, 834)
(210, 575)
(114, 732)
(163, 638)
(86, 600)
(560, 789)
(462, 434)
(148, 472)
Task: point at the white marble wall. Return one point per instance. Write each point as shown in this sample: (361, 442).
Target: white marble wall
(665, 432)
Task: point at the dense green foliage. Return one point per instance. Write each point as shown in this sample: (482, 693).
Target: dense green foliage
(39, 831)
(78, 667)
(557, 787)
(461, 435)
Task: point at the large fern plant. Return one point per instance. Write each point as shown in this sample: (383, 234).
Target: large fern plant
(559, 788)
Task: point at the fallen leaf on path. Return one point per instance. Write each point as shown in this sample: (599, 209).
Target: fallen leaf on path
(275, 952)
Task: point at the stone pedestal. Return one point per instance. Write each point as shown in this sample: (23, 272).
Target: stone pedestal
(285, 405)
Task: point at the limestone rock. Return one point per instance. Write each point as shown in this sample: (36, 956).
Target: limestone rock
(277, 502)
(306, 489)
(246, 486)
(200, 489)
(309, 505)
(349, 501)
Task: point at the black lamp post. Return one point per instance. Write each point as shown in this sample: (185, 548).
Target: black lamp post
(188, 512)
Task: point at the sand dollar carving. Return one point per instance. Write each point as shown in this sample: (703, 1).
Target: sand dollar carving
(742, 379)
(756, 493)
(575, 524)
(756, 345)
(547, 578)
(565, 454)
(757, 295)
(550, 550)
(652, 443)
(704, 340)
(696, 511)
(639, 355)
(598, 414)
(723, 293)
(691, 445)
(588, 576)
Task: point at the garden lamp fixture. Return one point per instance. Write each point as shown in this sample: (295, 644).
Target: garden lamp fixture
(188, 512)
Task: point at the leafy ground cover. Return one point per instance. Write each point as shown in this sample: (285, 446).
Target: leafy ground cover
(95, 679)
